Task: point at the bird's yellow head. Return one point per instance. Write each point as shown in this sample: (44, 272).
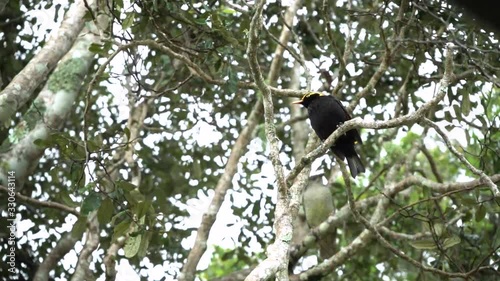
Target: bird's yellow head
(308, 97)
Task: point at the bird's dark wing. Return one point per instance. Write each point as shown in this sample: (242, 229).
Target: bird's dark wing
(348, 117)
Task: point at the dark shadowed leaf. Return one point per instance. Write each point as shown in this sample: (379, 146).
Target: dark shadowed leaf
(90, 203)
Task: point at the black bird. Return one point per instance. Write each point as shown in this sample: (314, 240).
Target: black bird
(326, 114)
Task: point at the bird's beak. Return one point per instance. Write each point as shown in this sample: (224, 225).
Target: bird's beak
(297, 102)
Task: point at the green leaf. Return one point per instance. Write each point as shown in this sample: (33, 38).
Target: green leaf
(197, 173)
(90, 203)
(467, 201)
(447, 116)
(121, 229)
(54, 173)
(200, 21)
(450, 242)
(127, 133)
(79, 227)
(132, 246)
(232, 83)
(118, 217)
(94, 144)
(98, 49)
(228, 11)
(467, 217)
(458, 112)
(105, 212)
(134, 197)
(438, 229)
(66, 199)
(426, 226)
(90, 187)
(217, 65)
(424, 244)
(77, 175)
(77, 151)
(142, 208)
(118, 4)
(480, 213)
(41, 143)
(143, 249)
(465, 103)
(125, 185)
(128, 21)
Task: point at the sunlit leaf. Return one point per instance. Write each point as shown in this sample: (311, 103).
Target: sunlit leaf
(132, 245)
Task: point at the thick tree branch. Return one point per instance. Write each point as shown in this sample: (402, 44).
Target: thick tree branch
(63, 246)
(22, 87)
(286, 207)
(110, 258)
(85, 258)
(49, 110)
(224, 183)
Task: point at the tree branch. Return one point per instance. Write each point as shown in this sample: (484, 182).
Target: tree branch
(461, 157)
(194, 68)
(224, 183)
(45, 204)
(21, 88)
(110, 259)
(50, 108)
(369, 224)
(286, 208)
(361, 240)
(374, 231)
(63, 246)
(84, 259)
(407, 119)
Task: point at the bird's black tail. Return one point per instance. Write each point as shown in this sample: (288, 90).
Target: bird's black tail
(355, 165)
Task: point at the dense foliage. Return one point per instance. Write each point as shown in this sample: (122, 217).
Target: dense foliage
(168, 124)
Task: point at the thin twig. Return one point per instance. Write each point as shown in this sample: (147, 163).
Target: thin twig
(487, 180)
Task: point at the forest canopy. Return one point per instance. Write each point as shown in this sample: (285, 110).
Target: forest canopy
(157, 140)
